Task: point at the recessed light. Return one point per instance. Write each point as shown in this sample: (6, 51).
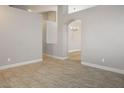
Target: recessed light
(29, 10)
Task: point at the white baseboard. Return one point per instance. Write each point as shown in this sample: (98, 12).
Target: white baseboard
(61, 58)
(19, 64)
(75, 50)
(104, 67)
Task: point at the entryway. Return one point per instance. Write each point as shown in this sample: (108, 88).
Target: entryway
(74, 41)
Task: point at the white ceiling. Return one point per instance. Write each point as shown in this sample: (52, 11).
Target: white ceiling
(37, 8)
(46, 8)
(76, 8)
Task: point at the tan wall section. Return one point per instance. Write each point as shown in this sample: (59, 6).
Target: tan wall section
(52, 16)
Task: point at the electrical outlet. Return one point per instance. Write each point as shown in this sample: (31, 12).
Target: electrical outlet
(9, 59)
(103, 60)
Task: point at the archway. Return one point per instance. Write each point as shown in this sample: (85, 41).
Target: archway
(73, 40)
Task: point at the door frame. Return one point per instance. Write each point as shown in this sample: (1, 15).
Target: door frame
(66, 31)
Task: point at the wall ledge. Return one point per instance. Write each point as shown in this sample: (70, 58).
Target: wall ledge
(20, 64)
(103, 67)
(56, 57)
(75, 50)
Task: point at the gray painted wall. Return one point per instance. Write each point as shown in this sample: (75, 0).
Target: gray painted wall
(49, 49)
(62, 45)
(60, 49)
(20, 36)
(103, 36)
(44, 17)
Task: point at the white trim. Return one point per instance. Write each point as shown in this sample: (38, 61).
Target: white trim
(104, 67)
(74, 50)
(19, 64)
(61, 58)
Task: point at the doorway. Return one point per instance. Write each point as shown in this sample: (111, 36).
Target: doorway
(74, 41)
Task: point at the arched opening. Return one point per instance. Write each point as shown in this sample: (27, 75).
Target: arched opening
(74, 40)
